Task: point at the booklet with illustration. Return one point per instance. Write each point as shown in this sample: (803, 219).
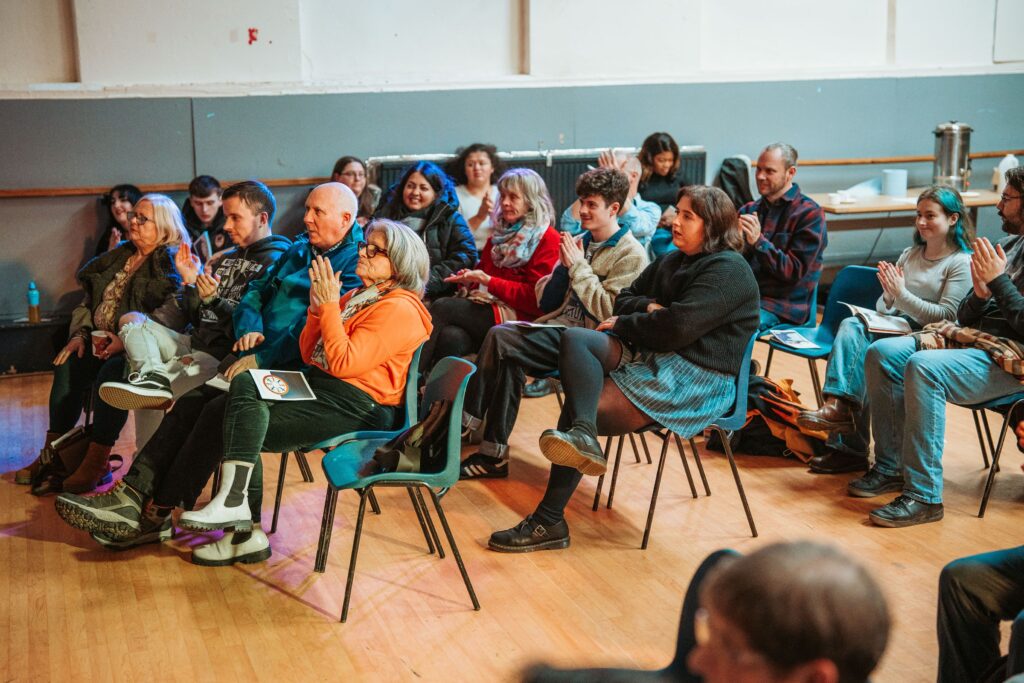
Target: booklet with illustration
(282, 385)
(879, 323)
(794, 339)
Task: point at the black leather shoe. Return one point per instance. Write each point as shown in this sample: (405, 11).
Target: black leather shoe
(905, 511)
(542, 387)
(530, 535)
(838, 462)
(574, 448)
(874, 483)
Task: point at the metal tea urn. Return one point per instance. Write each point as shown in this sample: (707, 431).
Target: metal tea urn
(952, 150)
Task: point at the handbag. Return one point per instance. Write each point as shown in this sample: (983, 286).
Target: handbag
(59, 459)
(420, 448)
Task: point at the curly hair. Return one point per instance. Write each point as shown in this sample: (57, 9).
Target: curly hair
(610, 184)
(456, 168)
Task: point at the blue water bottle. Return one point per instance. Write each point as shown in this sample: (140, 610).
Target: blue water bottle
(33, 302)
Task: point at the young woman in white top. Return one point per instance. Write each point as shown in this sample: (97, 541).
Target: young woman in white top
(476, 170)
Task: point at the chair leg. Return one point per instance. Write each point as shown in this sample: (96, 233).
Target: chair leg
(558, 397)
(736, 476)
(307, 474)
(636, 452)
(455, 548)
(600, 480)
(323, 545)
(817, 382)
(430, 522)
(374, 505)
(686, 465)
(355, 555)
(654, 494)
(647, 452)
(988, 434)
(768, 363)
(419, 516)
(981, 439)
(995, 464)
(615, 472)
(280, 491)
(696, 459)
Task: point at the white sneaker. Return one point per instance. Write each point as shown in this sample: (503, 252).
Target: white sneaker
(247, 547)
(229, 507)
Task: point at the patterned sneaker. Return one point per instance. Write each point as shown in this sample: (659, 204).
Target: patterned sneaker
(480, 466)
(116, 514)
(151, 391)
(151, 533)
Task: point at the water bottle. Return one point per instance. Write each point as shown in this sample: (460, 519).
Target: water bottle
(33, 302)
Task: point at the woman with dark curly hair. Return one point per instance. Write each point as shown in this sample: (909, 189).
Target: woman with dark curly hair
(476, 170)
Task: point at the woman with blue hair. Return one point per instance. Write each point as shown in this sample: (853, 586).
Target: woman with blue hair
(926, 285)
(424, 199)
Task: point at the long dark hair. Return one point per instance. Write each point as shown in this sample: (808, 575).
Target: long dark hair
(655, 144)
(394, 207)
(456, 168)
(122, 191)
(721, 220)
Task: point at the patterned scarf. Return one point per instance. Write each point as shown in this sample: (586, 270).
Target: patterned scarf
(363, 298)
(1005, 353)
(512, 246)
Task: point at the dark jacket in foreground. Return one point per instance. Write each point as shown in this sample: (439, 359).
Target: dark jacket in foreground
(712, 306)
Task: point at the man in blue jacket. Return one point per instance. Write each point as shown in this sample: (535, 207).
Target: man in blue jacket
(268, 320)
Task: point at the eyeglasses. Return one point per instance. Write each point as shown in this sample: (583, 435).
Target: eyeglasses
(138, 218)
(371, 250)
(1007, 197)
(702, 634)
(359, 175)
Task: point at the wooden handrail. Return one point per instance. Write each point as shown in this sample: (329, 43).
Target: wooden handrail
(29, 193)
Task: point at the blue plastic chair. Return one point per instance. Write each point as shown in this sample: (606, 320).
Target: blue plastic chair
(730, 422)
(857, 285)
(1007, 406)
(342, 466)
(409, 417)
(812, 314)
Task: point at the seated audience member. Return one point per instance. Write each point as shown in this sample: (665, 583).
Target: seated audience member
(118, 202)
(521, 250)
(636, 213)
(908, 388)
(675, 345)
(787, 613)
(138, 275)
(579, 293)
(660, 183)
(359, 347)
(174, 466)
(475, 170)
(925, 286)
(785, 230)
(204, 217)
(975, 594)
(424, 199)
(352, 171)
(161, 359)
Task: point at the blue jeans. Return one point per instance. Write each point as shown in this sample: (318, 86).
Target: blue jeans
(975, 594)
(844, 378)
(908, 392)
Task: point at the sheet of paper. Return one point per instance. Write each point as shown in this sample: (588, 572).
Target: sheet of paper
(794, 339)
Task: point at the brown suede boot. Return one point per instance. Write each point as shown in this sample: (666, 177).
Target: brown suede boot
(92, 470)
(835, 416)
(25, 474)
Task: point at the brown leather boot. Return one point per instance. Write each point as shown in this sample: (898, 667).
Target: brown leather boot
(25, 474)
(92, 470)
(835, 416)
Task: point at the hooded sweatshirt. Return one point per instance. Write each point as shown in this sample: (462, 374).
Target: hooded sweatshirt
(213, 329)
(373, 349)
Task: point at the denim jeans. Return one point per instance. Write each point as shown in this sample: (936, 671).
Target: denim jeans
(844, 378)
(908, 392)
(975, 594)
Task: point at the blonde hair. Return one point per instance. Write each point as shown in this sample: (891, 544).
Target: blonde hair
(167, 216)
(540, 213)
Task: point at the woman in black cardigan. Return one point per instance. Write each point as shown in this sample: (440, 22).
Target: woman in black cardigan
(670, 354)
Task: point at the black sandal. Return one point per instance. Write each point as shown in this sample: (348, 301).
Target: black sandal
(480, 466)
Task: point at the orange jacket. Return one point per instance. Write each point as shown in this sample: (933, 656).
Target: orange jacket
(373, 349)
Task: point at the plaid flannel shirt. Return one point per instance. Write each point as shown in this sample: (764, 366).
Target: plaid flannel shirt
(787, 257)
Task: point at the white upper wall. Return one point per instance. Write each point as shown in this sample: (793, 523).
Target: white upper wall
(153, 47)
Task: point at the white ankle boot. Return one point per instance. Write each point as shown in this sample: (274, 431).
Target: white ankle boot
(238, 546)
(230, 506)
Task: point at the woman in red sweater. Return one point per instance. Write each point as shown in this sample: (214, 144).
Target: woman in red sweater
(522, 249)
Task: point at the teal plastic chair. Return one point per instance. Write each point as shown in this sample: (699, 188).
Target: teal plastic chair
(342, 466)
(410, 417)
(857, 285)
(812, 314)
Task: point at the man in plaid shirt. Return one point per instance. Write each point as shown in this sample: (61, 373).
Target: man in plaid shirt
(785, 231)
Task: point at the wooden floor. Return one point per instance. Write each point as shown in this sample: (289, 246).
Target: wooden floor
(69, 609)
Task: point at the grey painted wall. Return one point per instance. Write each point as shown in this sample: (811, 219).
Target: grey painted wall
(55, 143)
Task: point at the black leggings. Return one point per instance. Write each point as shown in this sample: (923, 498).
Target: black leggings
(459, 329)
(593, 403)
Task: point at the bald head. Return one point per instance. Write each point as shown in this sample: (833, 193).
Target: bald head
(330, 213)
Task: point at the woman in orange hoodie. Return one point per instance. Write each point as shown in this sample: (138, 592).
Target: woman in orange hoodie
(359, 347)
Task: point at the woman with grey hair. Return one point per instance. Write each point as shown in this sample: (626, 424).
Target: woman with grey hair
(359, 347)
(523, 248)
